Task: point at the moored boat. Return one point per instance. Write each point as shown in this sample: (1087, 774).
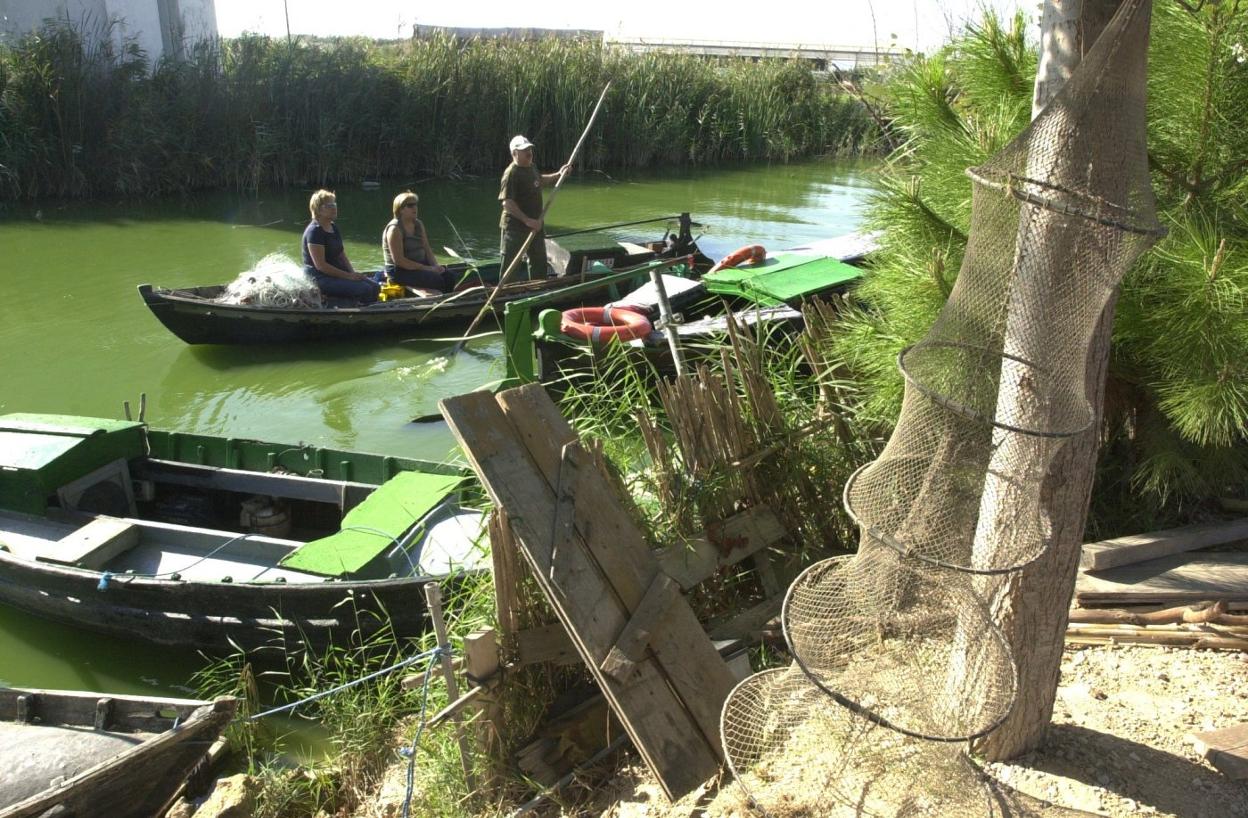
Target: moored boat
(220, 543)
(757, 289)
(202, 315)
(76, 755)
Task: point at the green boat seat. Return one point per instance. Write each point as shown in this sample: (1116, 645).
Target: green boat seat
(375, 525)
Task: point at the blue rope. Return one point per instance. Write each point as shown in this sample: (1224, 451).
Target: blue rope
(410, 752)
(430, 654)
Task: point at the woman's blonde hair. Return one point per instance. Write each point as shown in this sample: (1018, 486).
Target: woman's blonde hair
(319, 198)
(402, 199)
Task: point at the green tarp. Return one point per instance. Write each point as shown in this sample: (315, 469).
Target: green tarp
(375, 524)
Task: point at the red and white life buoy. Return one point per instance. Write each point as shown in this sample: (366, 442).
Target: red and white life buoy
(751, 253)
(598, 324)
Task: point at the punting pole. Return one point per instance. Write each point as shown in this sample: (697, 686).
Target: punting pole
(524, 248)
(667, 320)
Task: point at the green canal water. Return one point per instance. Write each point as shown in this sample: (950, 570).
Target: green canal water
(77, 339)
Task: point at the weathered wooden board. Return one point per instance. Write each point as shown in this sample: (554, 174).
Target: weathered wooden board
(1183, 578)
(689, 660)
(1120, 551)
(670, 705)
(727, 543)
(93, 545)
(1225, 749)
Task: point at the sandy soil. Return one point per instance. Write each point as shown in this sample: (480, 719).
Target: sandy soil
(1118, 746)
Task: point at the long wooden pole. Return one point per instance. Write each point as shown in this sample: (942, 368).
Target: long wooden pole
(524, 248)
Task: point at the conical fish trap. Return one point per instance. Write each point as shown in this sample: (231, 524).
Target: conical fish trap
(895, 653)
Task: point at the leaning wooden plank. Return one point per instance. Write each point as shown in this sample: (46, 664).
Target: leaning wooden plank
(701, 678)
(663, 731)
(1174, 580)
(1120, 551)
(1225, 749)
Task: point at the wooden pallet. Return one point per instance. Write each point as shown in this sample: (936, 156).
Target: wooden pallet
(627, 619)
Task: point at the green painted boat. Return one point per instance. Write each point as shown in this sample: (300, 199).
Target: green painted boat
(222, 543)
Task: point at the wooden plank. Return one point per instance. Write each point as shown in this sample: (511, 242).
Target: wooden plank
(346, 495)
(630, 646)
(727, 543)
(506, 566)
(1120, 551)
(549, 643)
(749, 622)
(666, 736)
(1174, 579)
(93, 545)
(699, 676)
(1225, 749)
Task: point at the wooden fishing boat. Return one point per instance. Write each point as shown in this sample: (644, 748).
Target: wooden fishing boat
(218, 543)
(77, 755)
(198, 315)
(766, 295)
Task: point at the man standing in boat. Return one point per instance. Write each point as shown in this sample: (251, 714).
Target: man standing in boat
(521, 196)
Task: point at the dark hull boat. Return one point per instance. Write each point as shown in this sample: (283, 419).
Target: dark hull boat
(198, 315)
(221, 544)
(79, 755)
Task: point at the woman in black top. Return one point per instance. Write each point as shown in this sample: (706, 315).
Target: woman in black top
(325, 256)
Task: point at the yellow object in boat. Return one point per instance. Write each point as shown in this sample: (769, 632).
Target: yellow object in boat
(390, 290)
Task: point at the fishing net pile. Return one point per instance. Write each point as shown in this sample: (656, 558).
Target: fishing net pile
(897, 660)
(275, 281)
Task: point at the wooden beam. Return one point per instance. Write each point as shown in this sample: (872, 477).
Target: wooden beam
(630, 646)
(1120, 551)
(1225, 749)
(1169, 580)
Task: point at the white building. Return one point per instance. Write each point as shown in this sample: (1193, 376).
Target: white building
(160, 27)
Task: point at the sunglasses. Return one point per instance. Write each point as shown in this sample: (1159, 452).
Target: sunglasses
(410, 204)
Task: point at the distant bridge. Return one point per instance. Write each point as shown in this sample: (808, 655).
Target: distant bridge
(822, 57)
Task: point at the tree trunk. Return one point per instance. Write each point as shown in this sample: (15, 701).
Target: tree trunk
(1032, 605)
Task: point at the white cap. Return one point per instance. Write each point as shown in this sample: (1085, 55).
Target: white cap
(519, 143)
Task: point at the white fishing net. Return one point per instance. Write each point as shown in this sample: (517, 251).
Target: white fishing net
(897, 661)
(275, 281)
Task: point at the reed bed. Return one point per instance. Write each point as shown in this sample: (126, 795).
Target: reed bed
(81, 117)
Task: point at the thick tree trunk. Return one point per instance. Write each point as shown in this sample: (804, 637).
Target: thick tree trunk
(1032, 605)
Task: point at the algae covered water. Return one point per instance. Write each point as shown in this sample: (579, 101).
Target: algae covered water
(77, 338)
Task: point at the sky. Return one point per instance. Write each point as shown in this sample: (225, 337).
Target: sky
(915, 24)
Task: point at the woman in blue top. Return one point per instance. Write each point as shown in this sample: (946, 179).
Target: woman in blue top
(325, 257)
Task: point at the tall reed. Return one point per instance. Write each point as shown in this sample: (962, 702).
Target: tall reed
(80, 119)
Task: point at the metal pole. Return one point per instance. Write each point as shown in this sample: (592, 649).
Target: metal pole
(433, 596)
(667, 320)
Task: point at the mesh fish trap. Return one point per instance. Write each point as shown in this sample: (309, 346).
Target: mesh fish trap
(896, 656)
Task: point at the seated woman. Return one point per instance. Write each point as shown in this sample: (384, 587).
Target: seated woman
(409, 259)
(325, 257)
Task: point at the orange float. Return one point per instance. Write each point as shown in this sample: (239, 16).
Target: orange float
(598, 324)
(751, 253)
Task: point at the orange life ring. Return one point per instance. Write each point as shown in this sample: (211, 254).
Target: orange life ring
(751, 253)
(604, 323)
